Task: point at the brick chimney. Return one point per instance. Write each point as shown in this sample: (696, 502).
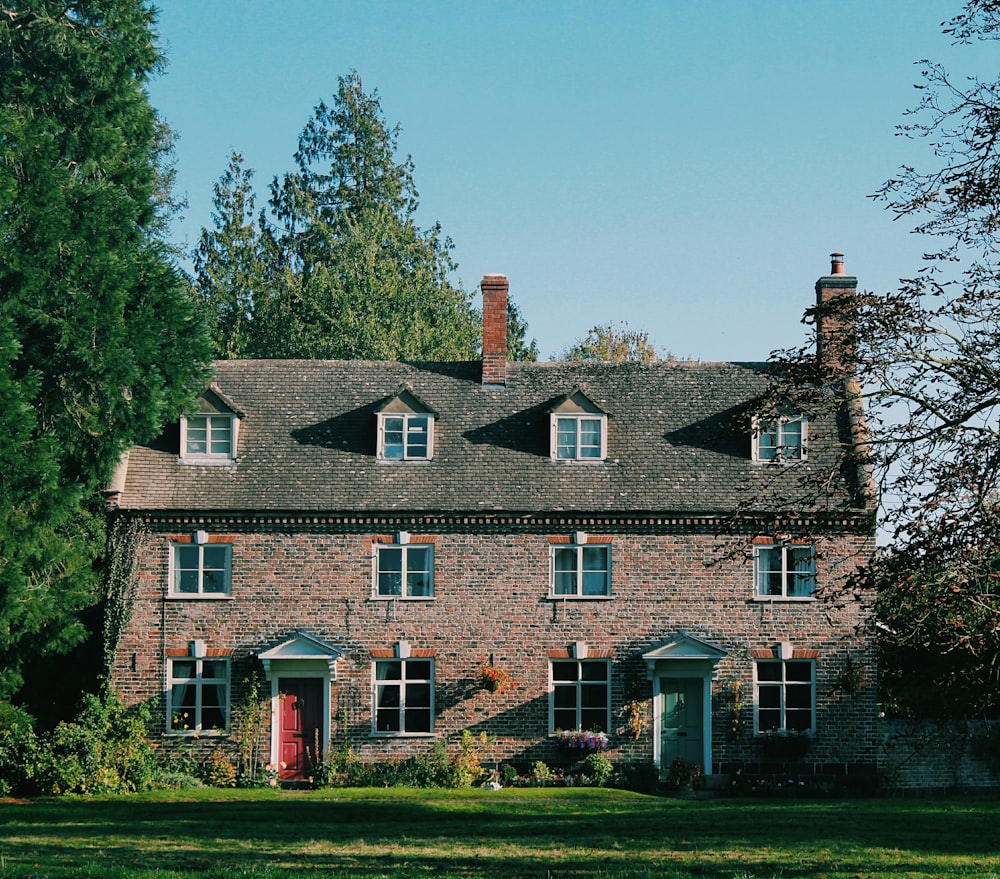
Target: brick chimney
(836, 342)
(494, 289)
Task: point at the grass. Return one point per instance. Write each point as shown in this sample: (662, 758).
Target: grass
(509, 834)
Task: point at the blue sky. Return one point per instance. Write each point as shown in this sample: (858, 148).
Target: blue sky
(685, 167)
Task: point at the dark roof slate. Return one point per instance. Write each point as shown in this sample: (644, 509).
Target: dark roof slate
(676, 442)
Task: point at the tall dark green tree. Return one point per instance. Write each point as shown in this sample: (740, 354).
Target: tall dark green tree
(100, 341)
(231, 272)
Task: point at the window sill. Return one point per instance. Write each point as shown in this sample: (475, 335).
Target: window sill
(403, 597)
(785, 599)
(197, 596)
(220, 461)
(196, 734)
(403, 735)
(554, 597)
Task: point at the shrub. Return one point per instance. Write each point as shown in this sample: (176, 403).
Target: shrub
(221, 771)
(467, 767)
(598, 769)
(104, 750)
(18, 750)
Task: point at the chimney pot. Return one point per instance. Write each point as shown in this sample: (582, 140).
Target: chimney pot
(494, 289)
(836, 263)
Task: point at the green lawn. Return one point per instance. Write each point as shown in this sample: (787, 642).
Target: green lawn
(546, 833)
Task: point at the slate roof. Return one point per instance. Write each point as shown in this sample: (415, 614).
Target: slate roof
(307, 442)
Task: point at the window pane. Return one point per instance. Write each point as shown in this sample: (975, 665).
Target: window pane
(221, 434)
(387, 720)
(418, 721)
(594, 695)
(388, 696)
(564, 671)
(768, 671)
(595, 584)
(798, 671)
(417, 436)
(197, 435)
(388, 671)
(418, 669)
(390, 570)
(798, 720)
(187, 581)
(769, 697)
(767, 441)
(770, 719)
(595, 719)
(390, 584)
(590, 438)
(563, 718)
(183, 668)
(213, 669)
(392, 436)
(564, 697)
(418, 696)
(566, 437)
(802, 560)
(791, 439)
(594, 671)
(798, 696)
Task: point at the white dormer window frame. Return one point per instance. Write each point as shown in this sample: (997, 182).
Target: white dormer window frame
(405, 436)
(209, 438)
(783, 439)
(579, 437)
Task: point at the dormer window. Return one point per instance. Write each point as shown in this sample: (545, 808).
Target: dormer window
(780, 439)
(405, 428)
(579, 429)
(209, 435)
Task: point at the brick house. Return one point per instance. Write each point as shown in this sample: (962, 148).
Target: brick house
(622, 540)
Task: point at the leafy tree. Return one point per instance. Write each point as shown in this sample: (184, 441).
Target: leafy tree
(518, 348)
(928, 369)
(99, 339)
(613, 342)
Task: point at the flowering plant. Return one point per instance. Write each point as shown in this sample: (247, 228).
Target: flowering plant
(496, 680)
(583, 740)
(682, 774)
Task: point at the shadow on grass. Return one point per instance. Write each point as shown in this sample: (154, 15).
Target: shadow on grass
(499, 835)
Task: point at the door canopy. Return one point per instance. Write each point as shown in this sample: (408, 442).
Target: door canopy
(685, 646)
(302, 646)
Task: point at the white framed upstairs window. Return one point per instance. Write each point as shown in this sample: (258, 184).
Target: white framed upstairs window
(581, 569)
(208, 436)
(782, 439)
(405, 428)
(785, 570)
(405, 436)
(404, 570)
(579, 438)
(201, 570)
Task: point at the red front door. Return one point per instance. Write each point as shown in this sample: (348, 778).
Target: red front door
(301, 746)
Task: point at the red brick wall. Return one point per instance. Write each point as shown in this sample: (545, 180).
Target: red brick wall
(491, 599)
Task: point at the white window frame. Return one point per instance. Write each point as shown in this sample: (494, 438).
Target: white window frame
(405, 445)
(577, 449)
(405, 550)
(784, 710)
(403, 682)
(173, 589)
(559, 714)
(782, 452)
(194, 725)
(208, 456)
(788, 573)
(579, 549)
